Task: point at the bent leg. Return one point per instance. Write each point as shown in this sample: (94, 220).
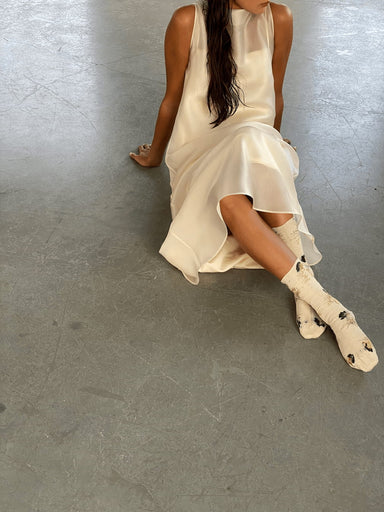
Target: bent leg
(264, 245)
(255, 236)
(275, 220)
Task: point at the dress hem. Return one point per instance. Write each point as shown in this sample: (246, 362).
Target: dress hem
(176, 250)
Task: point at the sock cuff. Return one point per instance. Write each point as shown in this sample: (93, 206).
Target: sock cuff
(290, 235)
(288, 228)
(290, 277)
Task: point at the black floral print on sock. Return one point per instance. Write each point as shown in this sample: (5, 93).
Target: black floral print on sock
(343, 315)
(368, 346)
(303, 259)
(351, 358)
(298, 266)
(319, 322)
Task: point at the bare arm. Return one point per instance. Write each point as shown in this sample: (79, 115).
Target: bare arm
(176, 50)
(283, 22)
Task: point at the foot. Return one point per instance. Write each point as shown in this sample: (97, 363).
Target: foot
(308, 321)
(357, 350)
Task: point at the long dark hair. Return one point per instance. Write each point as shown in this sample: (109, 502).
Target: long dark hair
(223, 95)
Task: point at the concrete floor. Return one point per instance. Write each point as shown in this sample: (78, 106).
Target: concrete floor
(125, 388)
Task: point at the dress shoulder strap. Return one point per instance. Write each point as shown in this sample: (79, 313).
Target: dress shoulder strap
(270, 28)
(198, 38)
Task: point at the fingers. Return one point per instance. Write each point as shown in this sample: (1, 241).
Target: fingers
(140, 159)
(290, 143)
(143, 158)
(144, 148)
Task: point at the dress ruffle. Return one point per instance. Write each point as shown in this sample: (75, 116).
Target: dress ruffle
(249, 158)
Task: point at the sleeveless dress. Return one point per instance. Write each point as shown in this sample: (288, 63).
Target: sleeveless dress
(243, 155)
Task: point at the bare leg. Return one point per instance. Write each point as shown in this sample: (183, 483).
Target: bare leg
(263, 245)
(275, 220)
(255, 236)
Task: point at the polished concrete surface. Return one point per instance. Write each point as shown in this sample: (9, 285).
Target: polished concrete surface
(124, 387)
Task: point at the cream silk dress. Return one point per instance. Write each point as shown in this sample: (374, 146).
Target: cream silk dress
(243, 155)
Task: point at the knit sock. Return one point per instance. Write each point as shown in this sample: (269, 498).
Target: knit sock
(308, 321)
(355, 347)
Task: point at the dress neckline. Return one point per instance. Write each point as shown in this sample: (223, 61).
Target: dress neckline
(240, 16)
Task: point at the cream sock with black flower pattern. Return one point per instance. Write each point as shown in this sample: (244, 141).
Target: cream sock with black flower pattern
(308, 321)
(355, 347)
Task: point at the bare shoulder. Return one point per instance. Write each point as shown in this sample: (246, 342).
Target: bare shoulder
(282, 15)
(184, 17)
(179, 31)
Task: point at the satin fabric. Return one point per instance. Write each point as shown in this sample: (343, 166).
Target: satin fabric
(243, 155)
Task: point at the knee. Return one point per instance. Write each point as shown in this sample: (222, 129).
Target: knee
(230, 205)
(275, 220)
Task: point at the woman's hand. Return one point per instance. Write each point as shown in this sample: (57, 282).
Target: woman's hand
(289, 142)
(144, 158)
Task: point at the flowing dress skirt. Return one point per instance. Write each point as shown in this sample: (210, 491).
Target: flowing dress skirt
(247, 158)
